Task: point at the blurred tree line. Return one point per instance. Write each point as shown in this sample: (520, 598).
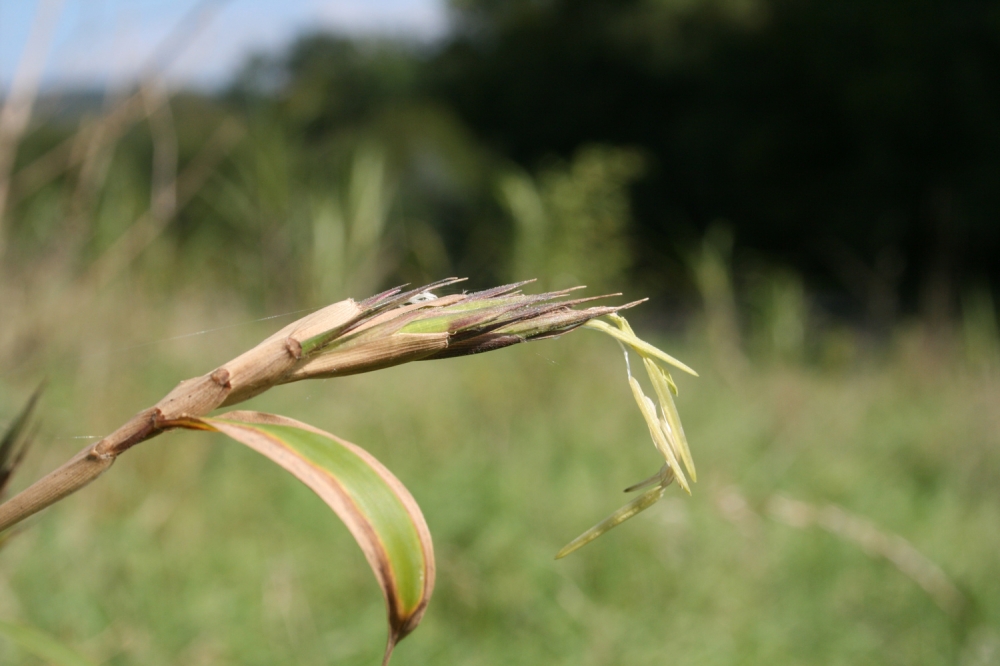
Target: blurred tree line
(857, 144)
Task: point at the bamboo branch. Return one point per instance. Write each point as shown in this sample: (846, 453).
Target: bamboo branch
(345, 338)
(240, 379)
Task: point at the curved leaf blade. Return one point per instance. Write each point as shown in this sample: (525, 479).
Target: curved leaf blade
(375, 506)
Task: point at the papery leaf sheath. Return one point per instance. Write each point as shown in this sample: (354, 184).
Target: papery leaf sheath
(378, 510)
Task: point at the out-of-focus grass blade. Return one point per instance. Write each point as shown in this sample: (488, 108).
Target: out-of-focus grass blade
(14, 442)
(43, 646)
(378, 510)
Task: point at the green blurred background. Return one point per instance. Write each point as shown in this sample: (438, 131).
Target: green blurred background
(806, 191)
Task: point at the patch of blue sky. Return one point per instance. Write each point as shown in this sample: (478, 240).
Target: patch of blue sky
(104, 43)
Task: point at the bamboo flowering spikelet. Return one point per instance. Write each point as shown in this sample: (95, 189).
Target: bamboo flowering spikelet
(345, 338)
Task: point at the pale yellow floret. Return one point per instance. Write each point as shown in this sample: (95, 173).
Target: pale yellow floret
(648, 410)
(664, 427)
(668, 410)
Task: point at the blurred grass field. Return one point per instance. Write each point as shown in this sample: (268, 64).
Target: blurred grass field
(163, 236)
(192, 550)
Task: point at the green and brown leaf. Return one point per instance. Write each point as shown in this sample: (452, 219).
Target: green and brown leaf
(378, 510)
